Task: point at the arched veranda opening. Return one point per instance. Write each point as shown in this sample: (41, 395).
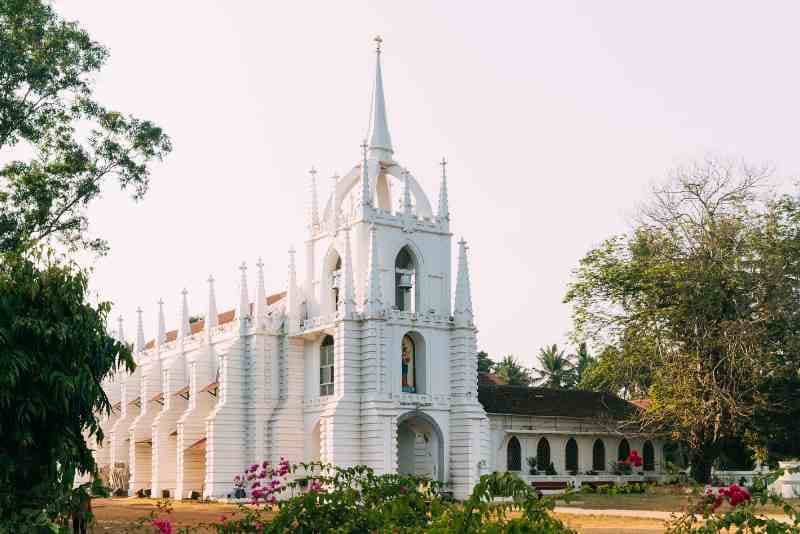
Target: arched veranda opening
(420, 446)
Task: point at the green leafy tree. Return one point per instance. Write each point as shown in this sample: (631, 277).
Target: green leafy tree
(582, 362)
(555, 370)
(54, 347)
(513, 372)
(485, 363)
(698, 306)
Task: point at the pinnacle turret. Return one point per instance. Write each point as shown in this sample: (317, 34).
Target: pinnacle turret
(443, 213)
(292, 306)
(184, 328)
(380, 142)
(243, 308)
(120, 331)
(366, 190)
(346, 295)
(211, 311)
(139, 331)
(374, 300)
(407, 206)
(314, 200)
(261, 296)
(161, 325)
(462, 310)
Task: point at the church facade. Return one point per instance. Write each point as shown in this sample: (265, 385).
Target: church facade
(368, 356)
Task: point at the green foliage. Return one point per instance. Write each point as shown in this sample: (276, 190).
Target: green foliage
(46, 68)
(55, 353)
(514, 373)
(485, 363)
(698, 309)
(629, 488)
(555, 368)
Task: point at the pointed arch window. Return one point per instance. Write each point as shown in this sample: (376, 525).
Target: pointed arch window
(624, 450)
(513, 455)
(543, 454)
(599, 455)
(404, 281)
(336, 282)
(409, 365)
(649, 456)
(571, 454)
(326, 367)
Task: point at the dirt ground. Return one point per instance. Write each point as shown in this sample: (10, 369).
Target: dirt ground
(119, 515)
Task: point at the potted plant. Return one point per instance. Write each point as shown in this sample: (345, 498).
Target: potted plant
(532, 465)
(550, 470)
(238, 487)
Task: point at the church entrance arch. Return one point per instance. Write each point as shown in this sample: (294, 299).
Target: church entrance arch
(420, 446)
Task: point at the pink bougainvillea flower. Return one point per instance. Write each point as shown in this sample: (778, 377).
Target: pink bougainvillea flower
(163, 526)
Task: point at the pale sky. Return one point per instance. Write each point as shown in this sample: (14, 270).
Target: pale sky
(555, 117)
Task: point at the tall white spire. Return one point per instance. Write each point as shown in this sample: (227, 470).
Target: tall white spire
(374, 300)
(443, 213)
(211, 311)
(406, 193)
(120, 331)
(139, 331)
(380, 142)
(161, 325)
(261, 295)
(314, 200)
(292, 306)
(336, 208)
(243, 309)
(462, 310)
(346, 295)
(184, 329)
(366, 190)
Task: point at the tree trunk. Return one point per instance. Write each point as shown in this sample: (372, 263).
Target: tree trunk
(700, 468)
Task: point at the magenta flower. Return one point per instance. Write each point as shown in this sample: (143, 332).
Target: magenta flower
(163, 526)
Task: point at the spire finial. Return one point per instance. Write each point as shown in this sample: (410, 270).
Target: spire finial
(139, 330)
(185, 329)
(243, 311)
(314, 200)
(336, 209)
(292, 306)
(380, 142)
(211, 312)
(443, 213)
(346, 296)
(261, 295)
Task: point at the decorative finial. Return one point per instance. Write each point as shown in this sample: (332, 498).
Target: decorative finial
(364, 147)
(211, 311)
(443, 163)
(378, 42)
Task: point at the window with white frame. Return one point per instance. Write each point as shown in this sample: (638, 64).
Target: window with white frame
(326, 367)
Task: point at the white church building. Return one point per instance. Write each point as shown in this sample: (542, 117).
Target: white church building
(367, 358)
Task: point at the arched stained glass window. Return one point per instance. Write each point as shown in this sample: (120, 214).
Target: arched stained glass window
(599, 456)
(571, 454)
(326, 366)
(409, 365)
(513, 455)
(649, 456)
(624, 450)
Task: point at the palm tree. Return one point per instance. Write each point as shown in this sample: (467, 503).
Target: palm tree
(582, 361)
(555, 369)
(514, 373)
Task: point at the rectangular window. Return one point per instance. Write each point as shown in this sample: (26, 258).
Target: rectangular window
(326, 370)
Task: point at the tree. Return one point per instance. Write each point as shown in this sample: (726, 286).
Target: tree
(485, 363)
(698, 306)
(583, 361)
(555, 369)
(54, 346)
(514, 373)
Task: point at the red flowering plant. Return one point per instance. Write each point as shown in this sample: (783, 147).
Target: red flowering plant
(735, 508)
(626, 465)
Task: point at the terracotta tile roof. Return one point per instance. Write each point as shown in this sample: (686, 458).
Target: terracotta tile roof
(546, 402)
(222, 318)
(490, 379)
(641, 403)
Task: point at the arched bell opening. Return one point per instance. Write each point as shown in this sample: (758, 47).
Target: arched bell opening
(405, 280)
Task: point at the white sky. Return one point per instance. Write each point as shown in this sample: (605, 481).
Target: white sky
(555, 117)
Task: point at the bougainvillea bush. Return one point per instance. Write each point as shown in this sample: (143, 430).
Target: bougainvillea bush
(317, 498)
(737, 509)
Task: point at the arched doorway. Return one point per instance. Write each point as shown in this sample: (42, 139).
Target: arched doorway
(624, 450)
(571, 454)
(649, 455)
(599, 456)
(543, 454)
(513, 455)
(420, 446)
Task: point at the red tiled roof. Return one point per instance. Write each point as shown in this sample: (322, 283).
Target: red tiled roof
(641, 403)
(490, 379)
(222, 318)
